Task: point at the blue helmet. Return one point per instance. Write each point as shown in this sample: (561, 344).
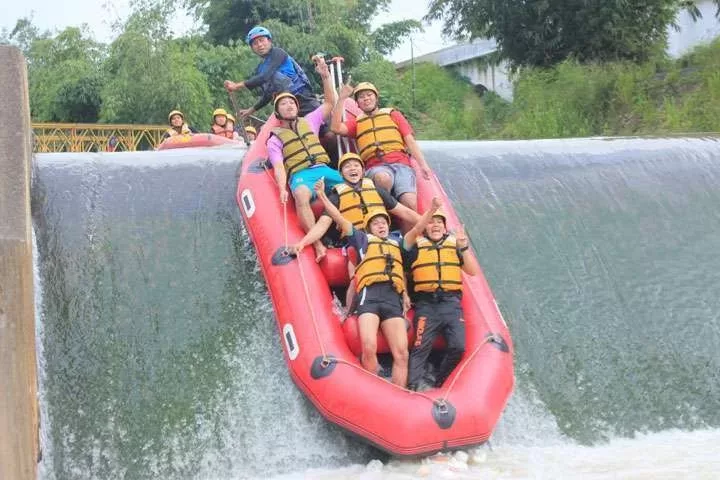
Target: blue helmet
(257, 31)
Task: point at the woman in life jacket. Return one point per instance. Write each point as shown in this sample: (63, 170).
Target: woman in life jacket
(251, 132)
(380, 286)
(385, 141)
(230, 127)
(354, 198)
(176, 119)
(219, 125)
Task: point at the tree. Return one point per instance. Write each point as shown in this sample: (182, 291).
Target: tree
(150, 74)
(230, 20)
(64, 73)
(543, 32)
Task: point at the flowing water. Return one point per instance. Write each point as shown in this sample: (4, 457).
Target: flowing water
(160, 356)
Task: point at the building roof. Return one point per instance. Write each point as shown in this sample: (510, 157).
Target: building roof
(455, 54)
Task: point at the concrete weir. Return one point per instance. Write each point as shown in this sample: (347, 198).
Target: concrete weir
(19, 447)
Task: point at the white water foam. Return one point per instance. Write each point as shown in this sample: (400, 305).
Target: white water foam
(45, 465)
(671, 454)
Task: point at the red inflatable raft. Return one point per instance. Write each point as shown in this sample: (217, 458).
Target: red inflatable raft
(196, 140)
(322, 351)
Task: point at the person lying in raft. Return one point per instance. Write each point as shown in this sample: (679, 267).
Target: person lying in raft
(436, 259)
(176, 119)
(219, 125)
(379, 285)
(385, 141)
(354, 197)
(295, 152)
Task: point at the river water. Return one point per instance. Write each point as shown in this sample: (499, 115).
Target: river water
(160, 356)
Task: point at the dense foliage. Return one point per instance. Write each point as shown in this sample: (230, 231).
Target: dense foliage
(543, 33)
(145, 72)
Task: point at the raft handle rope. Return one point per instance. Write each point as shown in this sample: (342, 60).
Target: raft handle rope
(325, 359)
(285, 224)
(489, 338)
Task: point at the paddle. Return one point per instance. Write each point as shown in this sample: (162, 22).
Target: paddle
(337, 84)
(240, 119)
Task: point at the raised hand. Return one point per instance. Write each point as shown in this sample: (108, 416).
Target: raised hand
(295, 249)
(460, 236)
(245, 112)
(283, 195)
(436, 204)
(407, 304)
(320, 187)
(321, 67)
(347, 89)
(231, 86)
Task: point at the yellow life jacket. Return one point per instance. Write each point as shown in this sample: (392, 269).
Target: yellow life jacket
(301, 149)
(354, 204)
(437, 266)
(377, 135)
(184, 130)
(381, 263)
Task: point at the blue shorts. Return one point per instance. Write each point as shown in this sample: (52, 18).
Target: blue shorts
(309, 176)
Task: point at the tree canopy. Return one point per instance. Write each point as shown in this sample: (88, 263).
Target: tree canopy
(543, 33)
(145, 72)
(341, 20)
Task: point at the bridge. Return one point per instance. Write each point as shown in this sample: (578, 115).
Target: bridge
(95, 137)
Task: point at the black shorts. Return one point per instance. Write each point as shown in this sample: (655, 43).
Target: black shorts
(308, 103)
(380, 299)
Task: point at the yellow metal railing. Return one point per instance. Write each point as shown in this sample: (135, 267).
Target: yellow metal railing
(95, 137)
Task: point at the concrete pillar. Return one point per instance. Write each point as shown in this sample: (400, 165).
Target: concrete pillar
(18, 371)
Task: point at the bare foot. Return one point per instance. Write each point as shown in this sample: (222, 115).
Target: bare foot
(320, 251)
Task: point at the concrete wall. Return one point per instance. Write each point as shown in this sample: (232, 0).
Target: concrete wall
(18, 374)
(694, 33)
(492, 77)
(466, 59)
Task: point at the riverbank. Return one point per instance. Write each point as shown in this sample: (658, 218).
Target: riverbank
(660, 97)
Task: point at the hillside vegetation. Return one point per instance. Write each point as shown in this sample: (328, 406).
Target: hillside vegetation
(657, 97)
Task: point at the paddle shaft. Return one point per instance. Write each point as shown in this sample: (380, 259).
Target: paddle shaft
(243, 133)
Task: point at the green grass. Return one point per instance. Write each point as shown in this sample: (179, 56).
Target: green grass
(570, 100)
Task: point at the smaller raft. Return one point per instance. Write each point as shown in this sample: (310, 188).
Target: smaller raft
(197, 140)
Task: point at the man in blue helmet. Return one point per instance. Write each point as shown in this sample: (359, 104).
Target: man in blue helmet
(278, 72)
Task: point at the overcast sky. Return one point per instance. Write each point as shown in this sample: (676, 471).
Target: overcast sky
(101, 15)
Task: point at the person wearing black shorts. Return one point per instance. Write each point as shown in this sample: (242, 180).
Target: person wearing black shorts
(379, 278)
